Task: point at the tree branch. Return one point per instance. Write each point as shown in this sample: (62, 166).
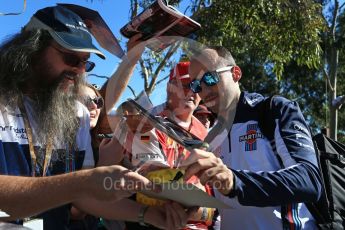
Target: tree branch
(199, 6)
(145, 73)
(174, 2)
(328, 79)
(132, 90)
(134, 8)
(196, 5)
(170, 52)
(161, 80)
(7, 14)
(342, 6)
(334, 20)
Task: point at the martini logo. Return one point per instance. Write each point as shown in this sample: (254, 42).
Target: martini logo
(250, 137)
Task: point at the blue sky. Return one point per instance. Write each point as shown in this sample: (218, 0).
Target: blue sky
(114, 12)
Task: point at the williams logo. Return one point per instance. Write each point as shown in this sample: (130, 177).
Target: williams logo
(250, 137)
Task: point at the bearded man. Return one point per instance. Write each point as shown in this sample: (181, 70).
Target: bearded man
(44, 131)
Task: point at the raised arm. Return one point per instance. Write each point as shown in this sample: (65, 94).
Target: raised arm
(114, 87)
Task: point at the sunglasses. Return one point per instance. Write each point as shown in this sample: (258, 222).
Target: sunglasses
(210, 78)
(75, 61)
(97, 100)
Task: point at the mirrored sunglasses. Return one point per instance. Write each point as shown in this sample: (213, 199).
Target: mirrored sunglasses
(97, 100)
(210, 78)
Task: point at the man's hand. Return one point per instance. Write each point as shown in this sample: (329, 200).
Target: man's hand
(110, 152)
(170, 216)
(210, 169)
(135, 47)
(114, 183)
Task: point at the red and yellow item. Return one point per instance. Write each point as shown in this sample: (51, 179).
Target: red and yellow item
(158, 176)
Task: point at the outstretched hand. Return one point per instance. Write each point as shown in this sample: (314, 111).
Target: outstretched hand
(210, 169)
(114, 183)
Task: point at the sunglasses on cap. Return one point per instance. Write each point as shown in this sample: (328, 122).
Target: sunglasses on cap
(97, 100)
(210, 78)
(75, 61)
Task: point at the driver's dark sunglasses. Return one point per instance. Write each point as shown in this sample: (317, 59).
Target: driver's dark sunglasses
(75, 61)
(97, 100)
(210, 78)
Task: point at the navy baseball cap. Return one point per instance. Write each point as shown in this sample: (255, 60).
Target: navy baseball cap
(66, 28)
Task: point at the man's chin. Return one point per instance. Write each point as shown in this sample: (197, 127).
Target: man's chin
(190, 106)
(213, 106)
(67, 85)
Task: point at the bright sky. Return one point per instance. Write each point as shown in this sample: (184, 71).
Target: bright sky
(114, 12)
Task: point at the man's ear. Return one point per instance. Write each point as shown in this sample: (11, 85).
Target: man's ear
(236, 73)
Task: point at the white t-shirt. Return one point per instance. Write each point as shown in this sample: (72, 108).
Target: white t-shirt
(14, 149)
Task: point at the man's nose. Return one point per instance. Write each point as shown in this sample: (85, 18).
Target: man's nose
(79, 69)
(187, 92)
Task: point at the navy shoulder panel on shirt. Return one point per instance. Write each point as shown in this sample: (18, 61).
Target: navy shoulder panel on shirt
(280, 104)
(252, 99)
(247, 107)
(289, 115)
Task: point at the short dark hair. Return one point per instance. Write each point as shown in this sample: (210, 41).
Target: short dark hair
(226, 57)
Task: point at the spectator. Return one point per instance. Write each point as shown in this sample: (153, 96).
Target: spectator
(267, 187)
(94, 102)
(146, 149)
(44, 133)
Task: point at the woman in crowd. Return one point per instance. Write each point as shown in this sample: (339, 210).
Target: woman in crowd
(94, 102)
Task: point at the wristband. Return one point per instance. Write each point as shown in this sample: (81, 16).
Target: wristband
(141, 215)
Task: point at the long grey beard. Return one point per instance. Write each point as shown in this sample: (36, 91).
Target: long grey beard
(57, 114)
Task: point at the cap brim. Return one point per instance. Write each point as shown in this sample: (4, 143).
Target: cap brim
(66, 40)
(73, 43)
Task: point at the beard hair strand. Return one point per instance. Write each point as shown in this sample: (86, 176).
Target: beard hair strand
(57, 112)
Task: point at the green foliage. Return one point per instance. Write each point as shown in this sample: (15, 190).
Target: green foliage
(277, 31)
(279, 45)
(308, 88)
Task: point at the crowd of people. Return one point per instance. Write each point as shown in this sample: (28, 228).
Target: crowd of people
(55, 169)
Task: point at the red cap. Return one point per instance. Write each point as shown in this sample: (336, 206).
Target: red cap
(180, 71)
